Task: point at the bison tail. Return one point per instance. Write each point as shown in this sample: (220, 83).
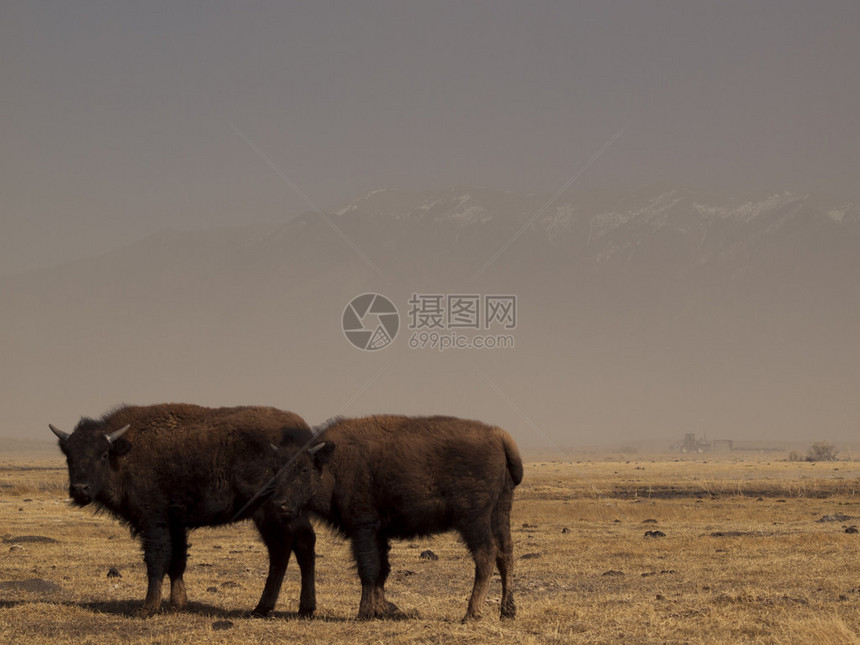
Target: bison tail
(515, 462)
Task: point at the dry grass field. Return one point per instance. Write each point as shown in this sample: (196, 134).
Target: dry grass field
(744, 558)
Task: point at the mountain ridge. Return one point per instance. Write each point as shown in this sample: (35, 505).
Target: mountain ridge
(583, 220)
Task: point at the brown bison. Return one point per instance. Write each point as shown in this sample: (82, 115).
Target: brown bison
(166, 469)
(383, 477)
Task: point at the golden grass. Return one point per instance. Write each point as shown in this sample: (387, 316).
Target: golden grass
(743, 560)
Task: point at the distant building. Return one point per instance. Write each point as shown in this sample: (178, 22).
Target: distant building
(691, 444)
(722, 445)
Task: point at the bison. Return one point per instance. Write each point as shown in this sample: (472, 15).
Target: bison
(166, 469)
(382, 477)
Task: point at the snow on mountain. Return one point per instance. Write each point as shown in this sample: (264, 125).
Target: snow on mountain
(600, 215)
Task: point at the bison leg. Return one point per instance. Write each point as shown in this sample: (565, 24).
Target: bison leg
(505, 561)
(304, 541)
(483, 547)
(387, 608)
(370, 551)
(156, 555)
(178, 560)
(276, 537)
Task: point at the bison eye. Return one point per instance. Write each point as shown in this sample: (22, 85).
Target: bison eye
(105, 457)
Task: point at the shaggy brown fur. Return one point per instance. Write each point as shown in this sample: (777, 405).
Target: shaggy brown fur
(182, 466)
(384, 477)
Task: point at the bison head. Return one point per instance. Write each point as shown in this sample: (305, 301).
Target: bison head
(301, 479)
(88, 451)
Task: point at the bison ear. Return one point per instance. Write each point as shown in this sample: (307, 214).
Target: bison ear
(322, 453)
(120, 447)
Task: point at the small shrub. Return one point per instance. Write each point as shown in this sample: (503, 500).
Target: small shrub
(821, 451)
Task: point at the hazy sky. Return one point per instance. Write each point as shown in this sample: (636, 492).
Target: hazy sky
(122, 118)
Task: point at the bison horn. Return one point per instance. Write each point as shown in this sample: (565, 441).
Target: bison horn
(316, 448)
(113, 436)
(62, 436)
(274, 447)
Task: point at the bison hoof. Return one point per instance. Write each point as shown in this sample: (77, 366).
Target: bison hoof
(509, 610)
(384, 611)
(260, 612)
(306, 612)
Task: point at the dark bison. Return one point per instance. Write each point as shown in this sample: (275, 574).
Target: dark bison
(384, 477)
(166, 469)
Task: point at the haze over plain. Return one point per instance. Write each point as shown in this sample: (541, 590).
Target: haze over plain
(160, 163)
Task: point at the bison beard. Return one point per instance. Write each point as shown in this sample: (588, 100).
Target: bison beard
(384, 477)
(176, 467)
